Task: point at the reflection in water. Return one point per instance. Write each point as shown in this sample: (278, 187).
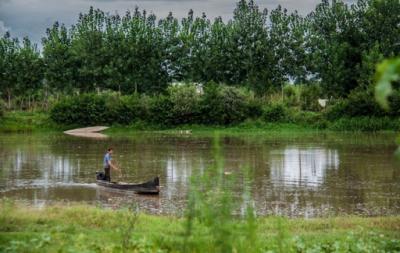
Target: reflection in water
(36, 169)
(302, 166)
(309, 176)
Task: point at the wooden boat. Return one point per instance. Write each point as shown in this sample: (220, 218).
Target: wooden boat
(150, 187)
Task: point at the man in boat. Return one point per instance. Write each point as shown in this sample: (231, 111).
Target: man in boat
(108, 164)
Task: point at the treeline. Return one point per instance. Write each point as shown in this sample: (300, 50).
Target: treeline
(336, 46)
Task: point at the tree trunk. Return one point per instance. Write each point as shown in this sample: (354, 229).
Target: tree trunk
(9, 99)
(33, 103)
(21, 104)
(46, 100)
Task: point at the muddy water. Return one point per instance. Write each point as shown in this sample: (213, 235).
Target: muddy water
(297, 175)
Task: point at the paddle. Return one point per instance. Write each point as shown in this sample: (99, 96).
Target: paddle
(118, 167)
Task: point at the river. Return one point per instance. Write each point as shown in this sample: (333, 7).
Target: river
(295, 175)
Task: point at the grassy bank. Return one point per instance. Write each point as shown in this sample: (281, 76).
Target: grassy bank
(40, 122)
(81, 228)
(20, 121)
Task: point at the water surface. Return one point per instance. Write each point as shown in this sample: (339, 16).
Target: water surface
(296, 175)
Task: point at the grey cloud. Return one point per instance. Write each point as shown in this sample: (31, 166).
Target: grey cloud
(4, 1)
(133, 1)
(3, 28)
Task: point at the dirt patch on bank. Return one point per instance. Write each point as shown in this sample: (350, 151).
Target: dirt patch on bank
(88, 132)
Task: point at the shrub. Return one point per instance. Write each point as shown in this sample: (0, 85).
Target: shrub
(362, 103)
(276, 113)
(309, 96)
(107, 108)
(128, 109)
(226, 105)
(290, 93)
(81, 110)
(255, 110)
(312, 119)
(394, 103)
(181, 105)
(185, 104)
(2, 106)
(160, 110)
(365, 124)
(337, 110)
(358, 104)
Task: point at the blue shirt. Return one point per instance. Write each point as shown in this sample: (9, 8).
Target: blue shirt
(107, 159)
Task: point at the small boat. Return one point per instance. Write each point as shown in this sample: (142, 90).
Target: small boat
(150, 187)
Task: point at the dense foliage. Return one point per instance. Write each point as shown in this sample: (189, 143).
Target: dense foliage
(188, 104)
(244, 64)
(183, 104)
(21, 70)
(336, 45)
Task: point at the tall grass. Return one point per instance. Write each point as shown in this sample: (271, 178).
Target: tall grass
(213, 207)
(83, 228)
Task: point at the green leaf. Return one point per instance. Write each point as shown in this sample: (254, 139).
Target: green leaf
(387, 72)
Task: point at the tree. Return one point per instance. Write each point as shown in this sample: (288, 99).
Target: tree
(335, 43)
(8, 70)
(60, 70)
(29, 67)
(252, 55)
(87, 50)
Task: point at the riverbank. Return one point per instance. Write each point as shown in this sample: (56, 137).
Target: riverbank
(21, 121)
(82, 228)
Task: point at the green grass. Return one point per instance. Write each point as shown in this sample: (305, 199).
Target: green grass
(83, 228)
(21, 121)
(251, 127)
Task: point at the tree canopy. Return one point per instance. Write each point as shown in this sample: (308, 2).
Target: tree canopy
(336, 45)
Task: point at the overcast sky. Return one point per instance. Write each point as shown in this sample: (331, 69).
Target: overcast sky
(32, 17)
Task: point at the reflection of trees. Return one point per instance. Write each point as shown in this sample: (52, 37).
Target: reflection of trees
(359, 184)
(32, 163)
(302, 166)
(366, 178)
(294, 176)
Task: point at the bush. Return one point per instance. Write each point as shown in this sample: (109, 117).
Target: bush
(276, 113)
(290, 93)
(185, 104)
(358, 104)
(337, 110)
(160, 110)
(128, 109)
(394, 103)
(81, 110)
(309, 96)
(181, 105)
(225, 105)
(365, 124)
(2, 108)
(219, 105)
(363, 103)
(312, 119)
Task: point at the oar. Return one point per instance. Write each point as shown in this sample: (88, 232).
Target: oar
(119, 169)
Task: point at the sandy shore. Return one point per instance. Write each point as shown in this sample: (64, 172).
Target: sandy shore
(88, 132)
